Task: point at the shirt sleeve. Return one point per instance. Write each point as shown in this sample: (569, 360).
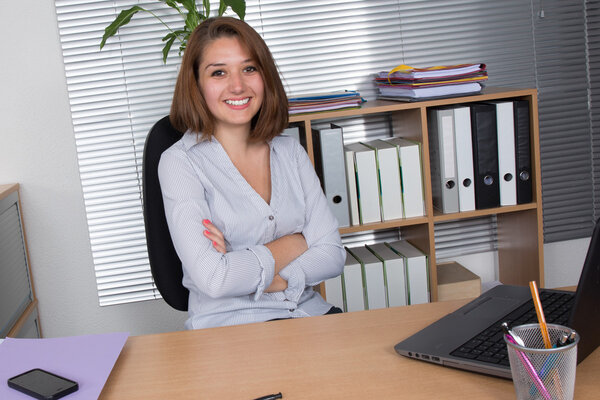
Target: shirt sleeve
(325, 256)
(215, 274)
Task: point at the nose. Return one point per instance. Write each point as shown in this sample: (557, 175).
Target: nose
(236, 82)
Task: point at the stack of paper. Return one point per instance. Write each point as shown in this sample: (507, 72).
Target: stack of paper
(311, 103)
(408, 83)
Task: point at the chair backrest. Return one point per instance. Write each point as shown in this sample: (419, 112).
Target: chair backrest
(164, 262)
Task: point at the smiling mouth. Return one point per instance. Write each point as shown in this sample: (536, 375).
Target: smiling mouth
(238, 102)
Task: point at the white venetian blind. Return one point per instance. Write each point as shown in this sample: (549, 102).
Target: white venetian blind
(118, 93)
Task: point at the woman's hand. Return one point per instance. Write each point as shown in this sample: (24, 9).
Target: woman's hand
(286, 249)
(277, 285)
(215, 236)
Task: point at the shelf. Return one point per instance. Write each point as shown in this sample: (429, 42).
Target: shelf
(439, 217)
(520, 233)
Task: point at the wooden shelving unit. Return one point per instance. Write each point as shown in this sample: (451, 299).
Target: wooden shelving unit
(520, 234)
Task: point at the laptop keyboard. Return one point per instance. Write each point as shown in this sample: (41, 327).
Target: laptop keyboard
(489, 346)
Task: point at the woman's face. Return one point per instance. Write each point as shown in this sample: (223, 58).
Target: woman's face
(230, 83)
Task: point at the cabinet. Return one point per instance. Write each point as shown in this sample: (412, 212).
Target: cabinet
(520, 234)
(18, 304)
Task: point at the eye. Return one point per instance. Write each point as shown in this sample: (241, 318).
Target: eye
(250, 69)
(217, 72)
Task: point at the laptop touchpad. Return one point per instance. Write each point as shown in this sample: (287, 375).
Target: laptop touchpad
(490, 306)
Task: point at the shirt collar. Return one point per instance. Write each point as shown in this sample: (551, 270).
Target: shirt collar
(190, 139)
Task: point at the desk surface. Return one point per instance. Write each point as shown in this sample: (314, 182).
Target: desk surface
(348, 356)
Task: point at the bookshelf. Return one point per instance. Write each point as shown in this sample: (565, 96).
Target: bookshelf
(520, 233)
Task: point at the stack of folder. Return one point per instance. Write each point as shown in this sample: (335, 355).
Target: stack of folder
(312, 103)
(407, 83)
(380, 275)
(480, 155)
(371, 181)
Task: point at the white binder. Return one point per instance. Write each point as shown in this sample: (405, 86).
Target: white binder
(416, 271)
(331, 168)
(394, 271)
(464, 159)
(366, 183)
(354, 294)
(506, 153)
(334, 292)
(388, 166)
(443, 159)
(373, 277)
(411, 171)
(352, 191)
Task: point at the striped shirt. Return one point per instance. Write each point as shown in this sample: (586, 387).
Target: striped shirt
(198, 182)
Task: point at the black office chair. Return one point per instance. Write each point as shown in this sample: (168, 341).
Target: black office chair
(164, 262)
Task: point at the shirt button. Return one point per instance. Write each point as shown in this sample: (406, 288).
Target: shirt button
(271, 218)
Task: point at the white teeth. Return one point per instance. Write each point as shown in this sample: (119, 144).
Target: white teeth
(238, 102)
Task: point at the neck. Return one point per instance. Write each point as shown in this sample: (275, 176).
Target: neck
(236, 141)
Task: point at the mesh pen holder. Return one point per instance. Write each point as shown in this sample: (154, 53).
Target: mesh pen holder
(540, 373)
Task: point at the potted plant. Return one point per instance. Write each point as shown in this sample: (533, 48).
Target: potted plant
(189, 12)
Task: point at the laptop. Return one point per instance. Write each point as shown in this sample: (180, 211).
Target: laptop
(471, 338)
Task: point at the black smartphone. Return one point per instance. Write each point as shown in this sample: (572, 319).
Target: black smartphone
(42, 384)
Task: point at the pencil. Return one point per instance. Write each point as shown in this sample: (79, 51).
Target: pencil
(540, 314)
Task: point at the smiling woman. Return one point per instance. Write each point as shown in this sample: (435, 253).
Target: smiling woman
(245, 209)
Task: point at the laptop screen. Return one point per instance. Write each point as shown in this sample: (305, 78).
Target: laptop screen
(586, 309)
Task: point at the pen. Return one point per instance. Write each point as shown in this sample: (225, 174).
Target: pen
(531, 371)
(540, 314)
(508, 331)
(562, 341)
(271, 397)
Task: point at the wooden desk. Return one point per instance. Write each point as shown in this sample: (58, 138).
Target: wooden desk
(344, 356)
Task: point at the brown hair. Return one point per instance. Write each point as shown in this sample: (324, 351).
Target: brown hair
(189, 110)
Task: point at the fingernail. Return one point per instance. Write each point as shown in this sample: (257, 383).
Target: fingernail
(205, 221)
(206, 233)
(214, 243)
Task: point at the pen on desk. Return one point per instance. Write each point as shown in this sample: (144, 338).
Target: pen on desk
(274, 396)
(540, 314)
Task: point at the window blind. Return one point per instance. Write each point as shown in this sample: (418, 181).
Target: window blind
(593, 51)
(565, 131)
(118, 93)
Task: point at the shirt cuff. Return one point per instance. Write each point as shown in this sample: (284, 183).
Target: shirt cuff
(296, 282)
(266, 263)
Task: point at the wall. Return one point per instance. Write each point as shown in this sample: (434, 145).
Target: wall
(37, 150)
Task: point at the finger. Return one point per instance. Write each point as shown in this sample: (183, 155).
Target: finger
(212, 228)
(217, 242)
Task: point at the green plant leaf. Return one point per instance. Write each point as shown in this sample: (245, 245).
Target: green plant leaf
(189, 5)
(192, 20)
(206, 4)
(238, 7)
(172, 4)
(170, 38)
(122, 19)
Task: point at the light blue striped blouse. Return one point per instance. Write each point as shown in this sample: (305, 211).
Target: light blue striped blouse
(199, 181)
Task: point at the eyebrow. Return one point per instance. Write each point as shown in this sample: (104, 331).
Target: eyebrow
(218, 64)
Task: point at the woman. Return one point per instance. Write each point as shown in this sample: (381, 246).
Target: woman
(245, 209)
